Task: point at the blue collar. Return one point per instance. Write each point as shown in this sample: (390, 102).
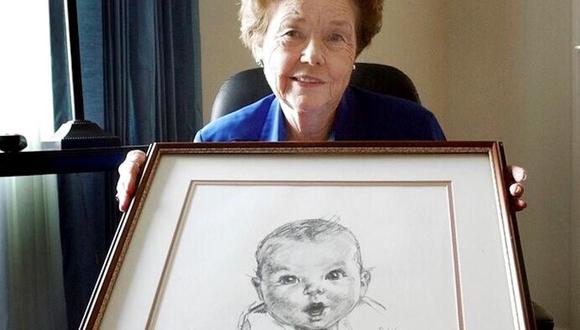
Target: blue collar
(274, 128)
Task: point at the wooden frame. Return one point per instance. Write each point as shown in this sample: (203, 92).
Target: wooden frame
(432, 219)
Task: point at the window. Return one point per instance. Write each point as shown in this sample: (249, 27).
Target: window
(26, 103)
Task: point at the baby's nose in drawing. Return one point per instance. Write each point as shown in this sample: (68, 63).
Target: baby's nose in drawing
(313, 289)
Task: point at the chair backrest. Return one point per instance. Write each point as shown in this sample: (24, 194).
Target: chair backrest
(249, 86)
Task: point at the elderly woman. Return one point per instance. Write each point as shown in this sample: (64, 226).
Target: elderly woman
(308, 49)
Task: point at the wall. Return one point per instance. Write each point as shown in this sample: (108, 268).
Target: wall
(490, 70)
(413, 40)
(575, 221)
(509, 79)
(222, 54)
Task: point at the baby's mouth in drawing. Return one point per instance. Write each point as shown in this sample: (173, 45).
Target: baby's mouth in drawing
(315, 310)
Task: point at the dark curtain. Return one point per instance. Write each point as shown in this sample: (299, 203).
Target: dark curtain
(140, 64)
(151, 51)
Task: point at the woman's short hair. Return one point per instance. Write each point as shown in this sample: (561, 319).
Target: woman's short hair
(254, 21)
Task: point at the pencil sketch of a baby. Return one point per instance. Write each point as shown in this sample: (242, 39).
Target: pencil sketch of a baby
(310, 276)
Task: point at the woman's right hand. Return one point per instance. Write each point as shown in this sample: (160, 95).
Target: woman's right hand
(128, 176)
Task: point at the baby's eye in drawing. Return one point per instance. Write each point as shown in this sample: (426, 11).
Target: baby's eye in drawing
(288, 279)
(334, 275)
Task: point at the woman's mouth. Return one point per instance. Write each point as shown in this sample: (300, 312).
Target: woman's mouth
(307, 80)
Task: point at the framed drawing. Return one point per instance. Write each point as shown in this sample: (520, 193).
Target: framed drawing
(353, 235)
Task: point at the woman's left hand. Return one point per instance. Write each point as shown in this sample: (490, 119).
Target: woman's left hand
(516, 188)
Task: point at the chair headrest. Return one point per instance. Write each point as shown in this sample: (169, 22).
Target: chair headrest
(248, 86)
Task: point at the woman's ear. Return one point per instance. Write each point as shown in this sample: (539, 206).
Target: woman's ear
(256, 282)
(258, 49)
(257, 53)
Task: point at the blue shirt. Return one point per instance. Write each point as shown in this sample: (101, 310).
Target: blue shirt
(361, 115)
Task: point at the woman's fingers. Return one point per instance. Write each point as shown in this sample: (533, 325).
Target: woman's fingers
(128, 176)
(520, 204)
(516, 188)
(519, 174)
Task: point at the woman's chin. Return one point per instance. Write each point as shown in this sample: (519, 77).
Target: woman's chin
(310, 107)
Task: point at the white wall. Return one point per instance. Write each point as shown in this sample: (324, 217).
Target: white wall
(222, 54)
(413, 39)
(491, 70)
(510, 79)
(575, 221)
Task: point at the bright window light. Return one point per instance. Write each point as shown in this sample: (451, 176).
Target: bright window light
(25, 70)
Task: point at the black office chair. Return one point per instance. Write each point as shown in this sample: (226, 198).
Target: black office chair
(250, 85)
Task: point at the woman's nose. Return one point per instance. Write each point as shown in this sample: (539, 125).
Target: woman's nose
(313, 53)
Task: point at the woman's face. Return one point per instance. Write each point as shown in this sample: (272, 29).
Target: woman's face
(308, 52)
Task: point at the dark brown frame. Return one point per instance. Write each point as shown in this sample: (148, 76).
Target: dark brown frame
(106, 281)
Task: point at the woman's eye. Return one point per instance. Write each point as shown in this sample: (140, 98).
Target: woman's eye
(334, 275)
(336, 37)
(291, 34)
(288, 279)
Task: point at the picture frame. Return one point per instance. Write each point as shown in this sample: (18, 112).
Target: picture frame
(432, 221)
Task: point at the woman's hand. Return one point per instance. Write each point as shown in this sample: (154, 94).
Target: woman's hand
(128, 176)
(516, 187)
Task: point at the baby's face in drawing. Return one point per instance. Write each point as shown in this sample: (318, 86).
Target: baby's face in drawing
(312, 285)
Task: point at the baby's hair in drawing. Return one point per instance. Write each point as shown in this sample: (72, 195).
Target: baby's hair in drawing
(309, 230)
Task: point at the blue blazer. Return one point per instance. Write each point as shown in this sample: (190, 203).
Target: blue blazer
(361, 115)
